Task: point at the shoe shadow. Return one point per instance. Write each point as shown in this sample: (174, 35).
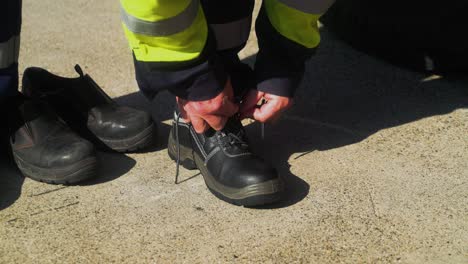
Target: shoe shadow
(286, 142)
(11, 180)
(112, 165)
(345, 97)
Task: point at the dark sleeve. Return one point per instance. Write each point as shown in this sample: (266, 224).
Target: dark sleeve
(280, 62)
(197, 80)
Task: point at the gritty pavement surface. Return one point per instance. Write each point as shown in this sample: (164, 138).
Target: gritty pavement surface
(375, 157)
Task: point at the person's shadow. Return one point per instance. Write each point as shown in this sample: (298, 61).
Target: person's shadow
(345, 97)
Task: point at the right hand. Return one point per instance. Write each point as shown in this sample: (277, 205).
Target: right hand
(210, 113)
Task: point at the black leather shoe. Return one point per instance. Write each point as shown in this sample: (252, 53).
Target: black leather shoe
(91, 112)
(230, 170)
(44, 148)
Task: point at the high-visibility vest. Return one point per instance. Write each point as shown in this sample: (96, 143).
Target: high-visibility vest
(176, 30)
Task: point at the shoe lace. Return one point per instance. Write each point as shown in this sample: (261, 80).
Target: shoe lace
(178, 148)
(228, 140)
(233, 140)
(233, 135)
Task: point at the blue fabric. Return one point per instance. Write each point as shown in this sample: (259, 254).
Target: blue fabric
(9, 81)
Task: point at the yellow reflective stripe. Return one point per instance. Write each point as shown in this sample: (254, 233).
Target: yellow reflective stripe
(164, 27)
(309, 6)
(9, 52)
(182, 46)
(293, 24)
(232, 34)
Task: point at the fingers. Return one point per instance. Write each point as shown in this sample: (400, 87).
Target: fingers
(183, 113)
(272, 109)
(216, 119)
(266, 112)
(250, 103)
(199, 124)
(209, 113)
(216, 122)
(223, 104)
(228, 108)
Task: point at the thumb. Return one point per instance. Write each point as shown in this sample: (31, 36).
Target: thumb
(265, 112)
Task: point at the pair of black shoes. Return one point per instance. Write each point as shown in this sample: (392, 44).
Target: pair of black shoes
(53, 124)
(57, 122)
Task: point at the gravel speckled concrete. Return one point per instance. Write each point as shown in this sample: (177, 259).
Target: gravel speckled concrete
(375, 159)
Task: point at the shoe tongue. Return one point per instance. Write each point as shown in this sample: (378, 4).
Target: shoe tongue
(233, 126)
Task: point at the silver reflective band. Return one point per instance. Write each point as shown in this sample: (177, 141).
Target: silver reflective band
(164, 27)
(309, 6)
(233, 34)
(9, 52)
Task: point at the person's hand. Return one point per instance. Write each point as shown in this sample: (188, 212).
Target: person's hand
(210, 113)
(269, 111)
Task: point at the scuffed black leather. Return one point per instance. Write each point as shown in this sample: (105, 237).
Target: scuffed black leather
(116, 122)
(84, 105)
(40, 138)
(227, 155)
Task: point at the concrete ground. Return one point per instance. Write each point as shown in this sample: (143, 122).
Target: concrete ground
(376, 160)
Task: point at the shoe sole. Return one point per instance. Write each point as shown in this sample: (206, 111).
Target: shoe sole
(140, 141)
(251, 196)
(82, 170)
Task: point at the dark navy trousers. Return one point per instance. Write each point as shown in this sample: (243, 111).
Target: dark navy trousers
(10, 27)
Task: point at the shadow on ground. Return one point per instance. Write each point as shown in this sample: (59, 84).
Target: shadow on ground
(111, 166)
(11, 180)
(345, 97)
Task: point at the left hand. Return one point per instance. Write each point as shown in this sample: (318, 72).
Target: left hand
(269, 111)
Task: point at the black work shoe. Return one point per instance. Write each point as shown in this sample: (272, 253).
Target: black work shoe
(91, 112)
(44, 148)
(230, 170)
